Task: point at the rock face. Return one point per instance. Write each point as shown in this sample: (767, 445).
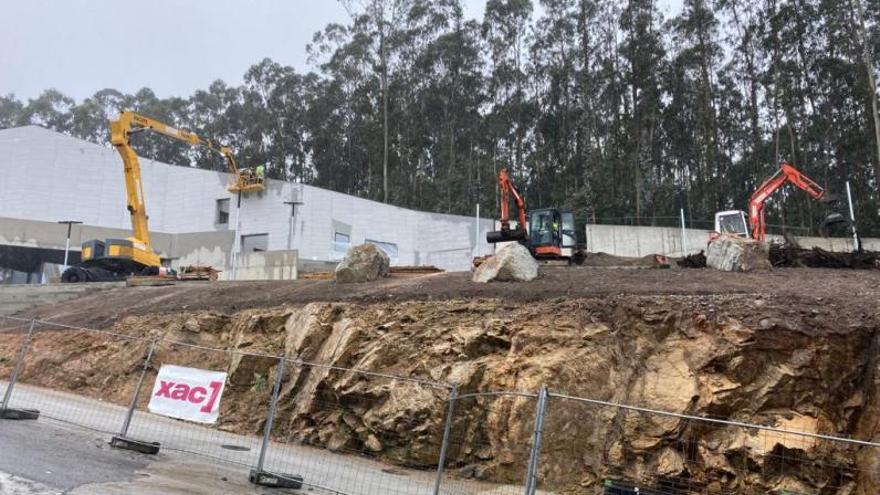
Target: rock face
(735, 254)
(773, 360)
(363, 263)
(511, 263)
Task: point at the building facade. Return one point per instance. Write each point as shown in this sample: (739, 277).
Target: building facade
(46, 177)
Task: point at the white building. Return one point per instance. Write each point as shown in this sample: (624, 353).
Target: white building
(46, 177)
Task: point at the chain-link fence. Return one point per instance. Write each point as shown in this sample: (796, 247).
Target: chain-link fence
(350, 431)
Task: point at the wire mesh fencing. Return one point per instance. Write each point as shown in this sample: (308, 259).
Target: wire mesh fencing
(355, 431)
(13, 334)
(76, 376)
(352, 431)
(596, 447)
(490, 442)
(243, 405)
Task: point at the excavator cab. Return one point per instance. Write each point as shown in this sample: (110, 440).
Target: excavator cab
(732, 222)
(551, 233)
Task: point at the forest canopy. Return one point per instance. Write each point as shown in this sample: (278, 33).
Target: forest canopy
(602, 106)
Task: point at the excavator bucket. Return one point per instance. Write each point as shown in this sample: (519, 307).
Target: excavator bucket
(517, 234)
(834, 218)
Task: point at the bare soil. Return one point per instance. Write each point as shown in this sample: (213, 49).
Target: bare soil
(849, 290)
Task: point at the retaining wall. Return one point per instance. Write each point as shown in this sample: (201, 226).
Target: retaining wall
(626, 240)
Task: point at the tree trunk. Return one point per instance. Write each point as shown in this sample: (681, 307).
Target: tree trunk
(384, 62)
(867, 57)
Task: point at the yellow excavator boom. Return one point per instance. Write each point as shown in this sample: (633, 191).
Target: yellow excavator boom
(130, 122)
(113, 259)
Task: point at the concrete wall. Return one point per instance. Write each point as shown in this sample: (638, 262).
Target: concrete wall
(48, 177)
(198, 248)
(270, 265)
(624, 240)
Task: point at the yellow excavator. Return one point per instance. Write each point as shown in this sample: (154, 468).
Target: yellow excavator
(116, 259)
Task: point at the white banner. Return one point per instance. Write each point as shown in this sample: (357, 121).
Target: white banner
(187, 393)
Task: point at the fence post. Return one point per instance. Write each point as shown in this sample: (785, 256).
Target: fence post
(684, 249)
(444, 446)
(258, 476)
(137, 391)
(5, 411)
(122, 441)
(532, 473)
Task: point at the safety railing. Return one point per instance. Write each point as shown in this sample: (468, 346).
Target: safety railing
(337, 429)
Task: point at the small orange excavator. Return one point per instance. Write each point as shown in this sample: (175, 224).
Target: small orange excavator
(733, 222)
(549, 233)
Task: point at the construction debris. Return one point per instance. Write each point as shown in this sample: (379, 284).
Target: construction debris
(731, 253)
(198, 272)
(363, 263)
(511, 263)
(605, 260)
(693, 261)
(789, 255)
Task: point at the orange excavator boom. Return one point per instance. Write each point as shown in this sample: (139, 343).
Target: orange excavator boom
(785, 174)
(506, 233)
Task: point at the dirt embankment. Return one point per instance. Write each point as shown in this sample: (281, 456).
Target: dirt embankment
(787, 360)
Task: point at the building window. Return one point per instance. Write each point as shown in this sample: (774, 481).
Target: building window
(341, 243)
(254, 243)
(389, 248)
(222, 212)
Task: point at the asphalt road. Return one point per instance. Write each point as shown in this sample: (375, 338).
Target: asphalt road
(66, 451)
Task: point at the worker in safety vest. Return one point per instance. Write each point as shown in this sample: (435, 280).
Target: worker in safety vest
(261, 172)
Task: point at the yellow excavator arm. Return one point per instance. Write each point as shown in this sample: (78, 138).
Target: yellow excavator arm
(115, 259)
(130, 122)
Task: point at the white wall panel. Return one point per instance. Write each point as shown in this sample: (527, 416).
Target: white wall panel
(49, 176)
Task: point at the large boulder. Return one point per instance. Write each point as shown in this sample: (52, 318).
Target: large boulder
(731, 253)
(511, 263)
(363, 263)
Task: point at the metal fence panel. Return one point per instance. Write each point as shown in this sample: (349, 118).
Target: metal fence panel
(591, 448)
(13, 331)
(243, 404)
(78, 376)
(351, 431)
(490, 443)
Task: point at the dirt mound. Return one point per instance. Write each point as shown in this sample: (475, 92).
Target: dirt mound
(845, 288)
(790, 362)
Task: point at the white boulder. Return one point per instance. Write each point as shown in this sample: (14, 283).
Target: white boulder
(731, 253)
(511, 263)
(363, 263)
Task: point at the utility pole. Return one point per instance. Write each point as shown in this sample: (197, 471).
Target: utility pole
(235, 238)
(70, 224)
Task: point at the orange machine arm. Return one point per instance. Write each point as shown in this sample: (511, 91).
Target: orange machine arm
(786, 173)
(508, 189)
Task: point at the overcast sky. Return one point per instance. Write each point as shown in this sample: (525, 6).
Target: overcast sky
(171, 46)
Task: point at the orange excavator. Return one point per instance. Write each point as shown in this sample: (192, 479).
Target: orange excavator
(548, 233)
(733, 222)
